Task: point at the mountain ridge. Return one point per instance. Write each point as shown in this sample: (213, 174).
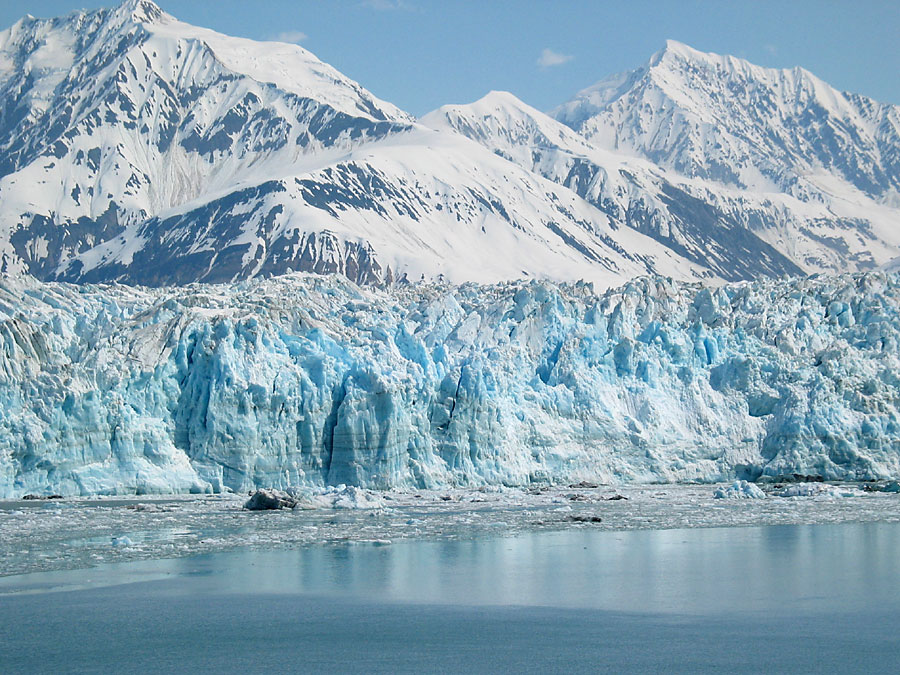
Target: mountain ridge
(717, 80)
(137, 148)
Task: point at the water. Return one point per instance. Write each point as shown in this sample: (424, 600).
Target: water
(816, 598)
(73, 534)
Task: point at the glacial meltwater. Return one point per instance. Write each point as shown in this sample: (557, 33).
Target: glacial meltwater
(791, 598)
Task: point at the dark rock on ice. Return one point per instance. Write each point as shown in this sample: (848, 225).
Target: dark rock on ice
(270, 500)
(890, 486)
(792, 478)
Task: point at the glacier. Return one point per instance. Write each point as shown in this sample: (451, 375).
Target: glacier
(307, 380)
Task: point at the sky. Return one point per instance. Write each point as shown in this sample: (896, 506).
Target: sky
(421, 54)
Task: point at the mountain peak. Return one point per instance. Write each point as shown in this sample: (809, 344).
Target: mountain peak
(678, 52)
(676, 48)
(502, 97)
(131, 12)
(723, 118)
(141, 11)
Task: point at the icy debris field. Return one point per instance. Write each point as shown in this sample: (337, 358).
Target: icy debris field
(77, 533)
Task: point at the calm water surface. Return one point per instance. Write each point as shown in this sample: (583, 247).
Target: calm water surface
(820, 598)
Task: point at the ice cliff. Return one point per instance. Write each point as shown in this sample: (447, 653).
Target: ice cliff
(306, 380)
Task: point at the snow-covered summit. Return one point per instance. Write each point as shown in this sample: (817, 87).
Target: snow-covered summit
(724, 118)
(141, 11)
(138, 148)
(504, 118)
(812, 171)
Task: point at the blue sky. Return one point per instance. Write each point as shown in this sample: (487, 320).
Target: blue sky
(420, 54)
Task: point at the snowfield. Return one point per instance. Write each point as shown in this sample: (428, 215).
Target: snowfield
(306, 380)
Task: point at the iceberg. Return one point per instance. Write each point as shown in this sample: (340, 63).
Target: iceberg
(740, 489)
(313, 381)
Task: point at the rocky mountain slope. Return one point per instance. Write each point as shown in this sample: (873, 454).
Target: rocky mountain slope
(694, 220)
(137, 148)
(817, 171)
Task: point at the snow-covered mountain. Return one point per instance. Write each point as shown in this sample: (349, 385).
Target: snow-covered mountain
(723, 118)
(114, 116)
(307, 379)
(137, 148)
(817, 170)
(142, 149)
(652, 173)
(702, 226)
(420, 203)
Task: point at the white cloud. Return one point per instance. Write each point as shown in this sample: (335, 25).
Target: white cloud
(293, 36)
(550, 58)
(388, 5)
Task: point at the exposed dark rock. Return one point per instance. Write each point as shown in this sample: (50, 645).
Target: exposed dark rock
(890, 486)
(791, 478)
(270, 500)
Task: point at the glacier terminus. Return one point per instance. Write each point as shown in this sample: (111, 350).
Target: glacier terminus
(313, 380)
(227, 266)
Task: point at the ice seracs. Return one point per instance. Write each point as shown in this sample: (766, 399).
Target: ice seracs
(313, 381)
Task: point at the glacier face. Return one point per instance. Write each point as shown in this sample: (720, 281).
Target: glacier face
(311, 380)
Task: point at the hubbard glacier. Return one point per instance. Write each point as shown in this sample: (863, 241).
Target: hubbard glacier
(297, 379)
(308, 380)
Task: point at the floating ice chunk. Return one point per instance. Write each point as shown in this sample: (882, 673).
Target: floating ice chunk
(356, 498)
(891, 486)
(307, 498)
(121, 542)
(740, 489)
(817, 490)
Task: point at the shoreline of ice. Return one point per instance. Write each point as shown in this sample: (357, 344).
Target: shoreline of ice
(85, 532)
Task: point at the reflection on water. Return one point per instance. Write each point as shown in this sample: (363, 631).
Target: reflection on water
(812, 568)
(814, 599)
